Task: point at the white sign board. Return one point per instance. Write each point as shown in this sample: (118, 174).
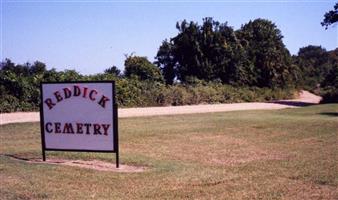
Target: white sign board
(78, 116)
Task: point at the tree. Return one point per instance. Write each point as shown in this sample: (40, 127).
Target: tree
(254, 55)
(18, 86)
(267, 54)
(330, 86)
(166, 61)
(189, 53)
(330, 17)
(331, 78)
(113, 70)
(7, 65)
(210, 51)
(314, 64)
(37, 68)
(70, 75)
(18, 69)
(142, 68)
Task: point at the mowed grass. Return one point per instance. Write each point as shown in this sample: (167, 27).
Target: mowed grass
(282, 154)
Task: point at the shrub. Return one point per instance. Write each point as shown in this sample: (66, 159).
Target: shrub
(20, 91)
(330, 95)
(9, 103)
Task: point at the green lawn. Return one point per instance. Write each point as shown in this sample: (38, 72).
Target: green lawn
(282, 154)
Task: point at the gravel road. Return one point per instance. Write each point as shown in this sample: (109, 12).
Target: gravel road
(305, 98)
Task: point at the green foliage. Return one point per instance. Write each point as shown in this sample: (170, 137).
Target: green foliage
(132, 92)
(208, 52)
(330, 17)
(37, 68)
(265, 154)
(113, 70)
(166, 62)
(252, 56)
(331, 79)
(9, 103)
(314, 63)
(330, 95)
(19, 92)
(141, 68)
(265, 50)
(19, 84)
(330, 86)
(208, 63)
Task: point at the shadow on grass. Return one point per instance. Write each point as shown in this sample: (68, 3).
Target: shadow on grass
(331, 114)
(18, 157)
(293, 103)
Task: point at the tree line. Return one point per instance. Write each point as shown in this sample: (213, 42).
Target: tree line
(254, 55)
(19, 86)
(207, 63)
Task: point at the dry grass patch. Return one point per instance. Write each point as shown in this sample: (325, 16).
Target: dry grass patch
(215, 149)
(285, 154)
(87, 164)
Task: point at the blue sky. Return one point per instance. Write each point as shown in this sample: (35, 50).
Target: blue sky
(90, 36)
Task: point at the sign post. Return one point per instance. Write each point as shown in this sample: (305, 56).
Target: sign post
(79, 116)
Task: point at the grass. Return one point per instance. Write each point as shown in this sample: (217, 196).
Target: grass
(282, 154)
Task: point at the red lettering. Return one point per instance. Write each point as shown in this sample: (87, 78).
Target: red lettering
(58, 96)
(77, 91)
(67, 92)
(85, 92)
(103, 101)
(91, 97)
(49, 103)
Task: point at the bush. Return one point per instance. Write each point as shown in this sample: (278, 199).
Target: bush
(330, 95)
(9, 103)
(19, 90)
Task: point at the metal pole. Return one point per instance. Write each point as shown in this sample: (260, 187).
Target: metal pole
(116, 135)
(42, 126)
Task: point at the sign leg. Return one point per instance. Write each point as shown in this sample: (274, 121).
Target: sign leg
(116, 132)
(43, 155)
(117, 160)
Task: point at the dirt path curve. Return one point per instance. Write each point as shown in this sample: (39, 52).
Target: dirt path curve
(305, 98)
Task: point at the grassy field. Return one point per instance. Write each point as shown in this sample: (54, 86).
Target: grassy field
(282, 154)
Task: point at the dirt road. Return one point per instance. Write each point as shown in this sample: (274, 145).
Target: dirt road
(305, 98)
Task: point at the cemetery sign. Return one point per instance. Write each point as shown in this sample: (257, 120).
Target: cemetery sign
(79, 116)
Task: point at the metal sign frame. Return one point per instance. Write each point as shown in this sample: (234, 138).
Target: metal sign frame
(114, 123)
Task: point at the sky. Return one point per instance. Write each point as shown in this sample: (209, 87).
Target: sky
(91, 36)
